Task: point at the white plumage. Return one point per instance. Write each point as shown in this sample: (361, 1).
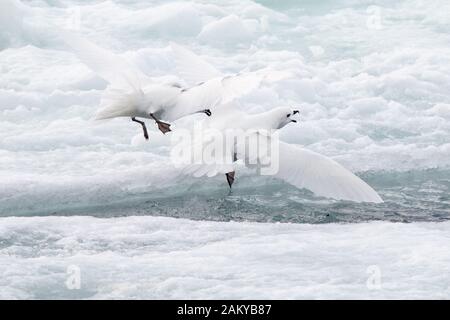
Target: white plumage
(298, 166)
(132, 94)
(321, 175)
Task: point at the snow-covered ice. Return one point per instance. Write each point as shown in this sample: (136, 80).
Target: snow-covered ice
(155, 257)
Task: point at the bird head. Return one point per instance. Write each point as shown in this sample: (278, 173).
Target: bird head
(285, 115)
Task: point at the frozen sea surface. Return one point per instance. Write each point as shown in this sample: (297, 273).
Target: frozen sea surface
(156, 257)
(371, 79)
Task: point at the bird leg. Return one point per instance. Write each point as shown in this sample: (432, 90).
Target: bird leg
(143, 127)
(230, 178)
(162, 126)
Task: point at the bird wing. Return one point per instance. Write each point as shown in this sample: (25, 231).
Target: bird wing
(323, 176)
(300, 167)
(212, 88)
(191, 67)
(218, 91)
(111, 67)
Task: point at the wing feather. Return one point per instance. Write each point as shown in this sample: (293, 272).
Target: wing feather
(109, 66)
(211, 87)
(323, 176)
(191, 67)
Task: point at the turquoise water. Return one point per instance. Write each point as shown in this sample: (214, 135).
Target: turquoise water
(409, 196)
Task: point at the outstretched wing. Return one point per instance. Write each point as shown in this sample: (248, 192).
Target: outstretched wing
(211, 87)
(215, 92)
(191, 67)
(306, 169)
(322, 175)
(111, 67)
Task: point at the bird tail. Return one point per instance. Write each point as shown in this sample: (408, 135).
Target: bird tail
(119, 103)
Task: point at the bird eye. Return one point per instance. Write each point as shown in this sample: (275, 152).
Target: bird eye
(288, 115)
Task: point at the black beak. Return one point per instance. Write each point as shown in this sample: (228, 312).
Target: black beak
(294, 113)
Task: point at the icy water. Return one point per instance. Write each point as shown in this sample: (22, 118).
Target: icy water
(426, 198)
(371, 80)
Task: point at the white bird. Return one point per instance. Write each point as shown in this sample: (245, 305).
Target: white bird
(298, 166)
(133, 94)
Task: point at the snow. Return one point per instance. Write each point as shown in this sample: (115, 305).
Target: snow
(154, 257)
(230, 29)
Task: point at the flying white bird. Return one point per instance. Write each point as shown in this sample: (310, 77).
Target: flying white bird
(133, 94)
(297, 166)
